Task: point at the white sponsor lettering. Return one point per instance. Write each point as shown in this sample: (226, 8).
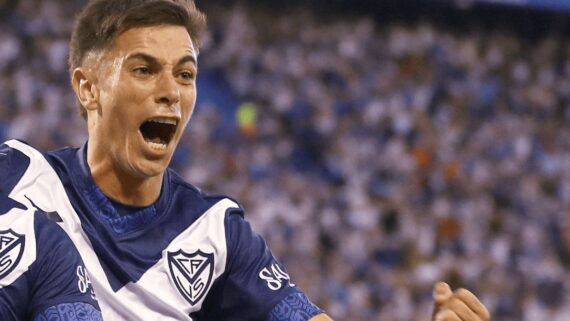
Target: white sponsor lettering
(274, 277)
(84, 283)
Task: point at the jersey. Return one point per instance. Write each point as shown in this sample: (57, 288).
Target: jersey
(188, 256)
(42, 276)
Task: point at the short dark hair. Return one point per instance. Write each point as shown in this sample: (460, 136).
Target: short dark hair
(101, 21)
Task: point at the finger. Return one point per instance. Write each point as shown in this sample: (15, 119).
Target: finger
(460, 309)
(446, 315)
(441, 293)
(473, 303)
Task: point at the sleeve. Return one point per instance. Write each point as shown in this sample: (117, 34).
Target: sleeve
(60, 288)
(46, 281)
(255, 286)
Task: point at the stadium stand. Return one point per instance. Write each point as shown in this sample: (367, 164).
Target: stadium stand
(376, 157)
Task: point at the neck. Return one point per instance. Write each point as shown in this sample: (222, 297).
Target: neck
(120, 185)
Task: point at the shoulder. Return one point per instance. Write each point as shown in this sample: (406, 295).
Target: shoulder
(14, 149)
(62, 157)
(18, 158)
(13, 164)
(22, 154)
(192, 196)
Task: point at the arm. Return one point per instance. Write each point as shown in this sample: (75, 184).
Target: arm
(255, 285)
(321, 317)
(43, 276)
(59, 281)
(70, 312)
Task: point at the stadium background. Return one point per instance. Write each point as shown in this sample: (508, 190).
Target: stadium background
(378, 146)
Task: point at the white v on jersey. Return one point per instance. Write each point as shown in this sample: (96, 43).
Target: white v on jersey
(189, 256)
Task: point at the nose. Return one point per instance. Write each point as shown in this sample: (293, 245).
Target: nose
(167, 90)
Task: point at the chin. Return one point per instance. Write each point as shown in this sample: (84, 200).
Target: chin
(149, 169)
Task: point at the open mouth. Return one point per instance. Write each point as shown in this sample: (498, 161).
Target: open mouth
(158, 132)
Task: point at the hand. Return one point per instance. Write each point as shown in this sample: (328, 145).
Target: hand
(461, 305)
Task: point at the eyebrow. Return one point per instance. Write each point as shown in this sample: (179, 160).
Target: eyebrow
(186, 59)
(152, 60)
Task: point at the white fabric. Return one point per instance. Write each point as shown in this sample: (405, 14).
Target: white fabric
(154, 297)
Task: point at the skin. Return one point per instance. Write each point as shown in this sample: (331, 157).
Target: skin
(321, 317)
(148, 72)
(151, 72)
(458, 305)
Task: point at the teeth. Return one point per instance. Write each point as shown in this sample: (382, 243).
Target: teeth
(169, 121)
(157, 146)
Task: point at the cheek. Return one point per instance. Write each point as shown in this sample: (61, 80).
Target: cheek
(123, 102)
(188, 102)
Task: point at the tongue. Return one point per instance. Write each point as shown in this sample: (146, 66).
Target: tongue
(156, 140)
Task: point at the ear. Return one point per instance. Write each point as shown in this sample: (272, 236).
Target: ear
(85, 89)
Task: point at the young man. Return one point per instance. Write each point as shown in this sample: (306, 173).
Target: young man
(158, 248)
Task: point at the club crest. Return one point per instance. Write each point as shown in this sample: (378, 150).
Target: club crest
(11, 250)
(191, 273)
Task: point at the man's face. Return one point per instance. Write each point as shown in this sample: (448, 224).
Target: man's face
(147, 92)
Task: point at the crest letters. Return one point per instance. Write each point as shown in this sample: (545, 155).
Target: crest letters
(11, 250)
(191, 273)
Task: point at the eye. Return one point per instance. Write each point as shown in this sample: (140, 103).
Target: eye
(142, 70)
(186, 75)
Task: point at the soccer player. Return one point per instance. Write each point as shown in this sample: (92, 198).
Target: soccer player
(42, 276)
(158, 248)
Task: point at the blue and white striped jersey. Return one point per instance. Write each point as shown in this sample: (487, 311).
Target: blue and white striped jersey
(42, 276)
(189, 256)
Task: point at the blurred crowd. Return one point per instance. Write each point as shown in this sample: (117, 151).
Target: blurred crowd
(375, 158)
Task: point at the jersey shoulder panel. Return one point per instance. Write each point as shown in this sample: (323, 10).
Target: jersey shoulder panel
(182, 188)
(13, 165)
(29, 176)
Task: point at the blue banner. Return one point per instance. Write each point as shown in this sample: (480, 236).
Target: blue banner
(557, 5)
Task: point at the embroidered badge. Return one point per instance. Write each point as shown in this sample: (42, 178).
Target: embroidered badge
(191, 273)
(11, 250)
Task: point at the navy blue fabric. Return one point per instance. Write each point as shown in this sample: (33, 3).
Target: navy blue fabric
(6, 204)
(130, 240)
(121, 218)
(51, 280)
(127, 244)
(70, 312)
(13, 165)
(295, 307)
(240, 294)
(53, 277)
